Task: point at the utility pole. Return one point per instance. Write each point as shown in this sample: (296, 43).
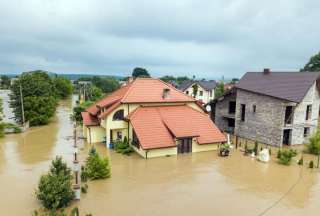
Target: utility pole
(76, 166)
(22, 106)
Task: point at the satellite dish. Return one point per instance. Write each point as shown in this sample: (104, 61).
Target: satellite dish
(208, 108)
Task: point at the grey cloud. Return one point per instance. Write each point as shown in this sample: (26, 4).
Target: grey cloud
(203, 38)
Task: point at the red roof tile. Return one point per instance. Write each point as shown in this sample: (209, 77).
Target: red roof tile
(167, 122)
(141, 90)
(88, 119)
(150, 90)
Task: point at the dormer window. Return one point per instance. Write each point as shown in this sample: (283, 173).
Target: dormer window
(119, 115)
(165, 93)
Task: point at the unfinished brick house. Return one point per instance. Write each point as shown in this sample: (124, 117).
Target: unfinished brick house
(275, 108)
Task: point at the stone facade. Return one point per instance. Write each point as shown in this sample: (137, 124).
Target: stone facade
(265, 117)
(222, 114)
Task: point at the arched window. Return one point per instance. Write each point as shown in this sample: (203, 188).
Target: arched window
(119, 115)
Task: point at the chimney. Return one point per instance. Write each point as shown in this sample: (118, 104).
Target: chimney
(166, 93)
(266, 71)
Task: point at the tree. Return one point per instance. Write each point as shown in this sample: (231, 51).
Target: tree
(94, 93)
(313, 64)
(314, 145)
(195, 88)
(140, 72)
(106, 84)
(63, 87)
(219, 90)
(168, 79)
(181, 79)
(39, 110)
(5, 82)
(55, 188)
(96, 167)
(80, 108)
(39, 96)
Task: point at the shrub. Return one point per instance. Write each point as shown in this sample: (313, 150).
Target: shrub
(84, 188)
(311, 164)
(279, 153)
(123, 147)
(300, 162)
(285, 156)
(97, 167)
(270, 152)
(55, 188)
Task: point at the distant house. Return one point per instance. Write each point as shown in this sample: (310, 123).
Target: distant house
(276, 108)
(157, 119)
(205, 91)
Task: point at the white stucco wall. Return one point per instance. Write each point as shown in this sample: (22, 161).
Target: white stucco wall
(206, 94)
(299, 118)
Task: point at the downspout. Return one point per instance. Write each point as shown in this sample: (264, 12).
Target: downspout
(89, 134)
(147, 154)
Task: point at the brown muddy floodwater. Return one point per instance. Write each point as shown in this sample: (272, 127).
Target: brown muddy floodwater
(188, 185)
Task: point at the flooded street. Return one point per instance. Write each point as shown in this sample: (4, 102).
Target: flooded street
(198, 184)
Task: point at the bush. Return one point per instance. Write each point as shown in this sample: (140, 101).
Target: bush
(55, 188)
(12, 127)
(84, 188)
(285, 156)
(123, 147)
(314, 144)
(300, 162)
(96, 167)
(311, 164)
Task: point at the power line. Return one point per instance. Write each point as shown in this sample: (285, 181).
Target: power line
(284, 195)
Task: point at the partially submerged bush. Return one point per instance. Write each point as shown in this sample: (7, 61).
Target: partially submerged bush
(285, 156)
(314, 144)
(311, 165)
(55, 188)
(96, 167)
(300, 162)
(123, 147)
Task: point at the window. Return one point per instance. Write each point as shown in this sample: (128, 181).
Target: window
(119, 115)
(119, 135)
(288, 115)
(232, 107)
(254, 108)
(308, 112)
(187, 92)
(201, 93)
(243, 112)
(306, 132)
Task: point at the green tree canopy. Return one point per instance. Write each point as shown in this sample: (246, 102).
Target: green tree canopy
(39, 96)
(219, 90)
(63, 87)
(106, 84)
(313, 65)
(4, 82)
(55, 188)
(140, 72)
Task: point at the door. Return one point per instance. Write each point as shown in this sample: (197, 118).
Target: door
(286, 136)
(185, 146)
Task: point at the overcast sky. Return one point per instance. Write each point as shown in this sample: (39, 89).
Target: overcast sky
(207, 38)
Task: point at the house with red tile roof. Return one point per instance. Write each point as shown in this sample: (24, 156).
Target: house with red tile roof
(157, 119)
